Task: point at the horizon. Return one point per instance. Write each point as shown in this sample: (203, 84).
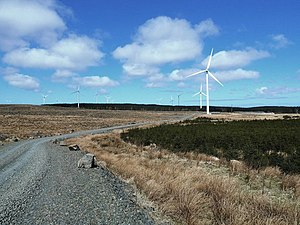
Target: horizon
(140, 52)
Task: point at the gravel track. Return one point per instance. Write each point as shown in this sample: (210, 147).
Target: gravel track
(41, 184)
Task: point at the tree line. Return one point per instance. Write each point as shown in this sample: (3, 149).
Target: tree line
(157, 107)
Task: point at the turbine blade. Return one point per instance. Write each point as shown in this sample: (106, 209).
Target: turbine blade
(210, 74)
(209, 59)
(201, 88)
(196, 94)
(196, 73)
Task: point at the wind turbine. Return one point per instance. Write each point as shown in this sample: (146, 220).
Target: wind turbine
(178, 98)
(200, 93)
(172, 100)
(207, 73)
(78, 95)
(107, 98)
(44, 99)
(97, 96)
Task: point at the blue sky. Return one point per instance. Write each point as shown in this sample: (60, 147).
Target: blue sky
(141, 51)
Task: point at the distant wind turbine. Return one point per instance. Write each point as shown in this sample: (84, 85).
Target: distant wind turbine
(200, 93)
(97, 96)
(172, 100)
(78, 95)
(44, 99)
(178, 98)
(107, 99)
(207, 73)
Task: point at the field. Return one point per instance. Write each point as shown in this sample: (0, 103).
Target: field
(27, 121)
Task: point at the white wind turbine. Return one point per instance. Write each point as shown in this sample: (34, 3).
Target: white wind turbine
(172, 101)
(207, 73)
(78, 95)
(97, 96)
(44, 99)
(107, 99)
(178, 98)
(200, 93)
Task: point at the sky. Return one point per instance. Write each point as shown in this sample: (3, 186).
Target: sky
(142, 51)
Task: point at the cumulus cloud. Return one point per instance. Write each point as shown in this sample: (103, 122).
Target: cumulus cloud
(279, 41)
(72, 53)
(23, 19)
(235, 58)
(95, 81)
(21, 80)
(163, 40)
(33, 34)
(236, 74)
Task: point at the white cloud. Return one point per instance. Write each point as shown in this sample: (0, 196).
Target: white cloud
(276, 91)
(156, 80)
(22, 81)
(95, 81)
(235, 58)
(262, 90)
(237, 74)
(72, 53)
(155, 85)
(135, 69)
(181, 85)
(181, 74)
(207, 28)
(63, 74)
(163, 40)
(279, 41)
(23, 19)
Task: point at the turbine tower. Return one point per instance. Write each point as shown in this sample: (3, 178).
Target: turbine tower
(200, 93)
(178, 99)
(78, 96)
(207, 73)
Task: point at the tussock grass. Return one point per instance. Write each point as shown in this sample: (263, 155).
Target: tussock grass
(194, 189)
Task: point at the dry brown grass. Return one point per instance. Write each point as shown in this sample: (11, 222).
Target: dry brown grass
(192, 190)
(27, 121)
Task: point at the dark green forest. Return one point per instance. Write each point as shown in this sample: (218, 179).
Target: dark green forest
(259, 143)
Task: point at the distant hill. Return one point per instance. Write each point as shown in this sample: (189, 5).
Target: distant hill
(154, 107)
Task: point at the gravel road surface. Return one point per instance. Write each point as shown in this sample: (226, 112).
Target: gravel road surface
(41, 184)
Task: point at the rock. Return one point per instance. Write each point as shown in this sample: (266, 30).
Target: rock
(87, 161)
(3, 137)
(74, 147)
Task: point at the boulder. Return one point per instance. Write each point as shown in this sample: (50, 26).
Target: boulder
(87, 161)
(74, 147)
